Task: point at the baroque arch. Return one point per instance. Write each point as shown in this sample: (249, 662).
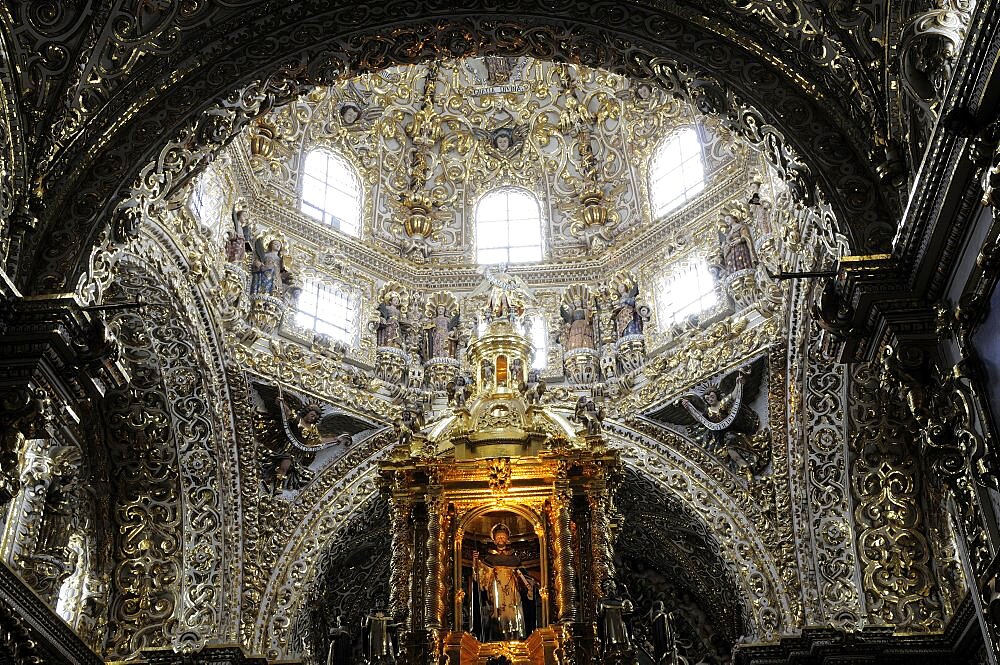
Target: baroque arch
(329, 508)
(176, 571)
(801, 138)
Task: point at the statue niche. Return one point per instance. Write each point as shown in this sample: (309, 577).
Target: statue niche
(501, 567)
(578, 339)
(440, 338)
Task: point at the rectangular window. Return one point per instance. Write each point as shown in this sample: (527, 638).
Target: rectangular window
(677, 172)
(685, 293)
(508, 228)
(328, 310)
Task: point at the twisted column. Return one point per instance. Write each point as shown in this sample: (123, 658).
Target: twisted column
(564, 539)
(604, 566)
(400, 564)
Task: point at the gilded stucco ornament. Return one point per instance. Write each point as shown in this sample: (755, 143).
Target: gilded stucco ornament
(278, 574)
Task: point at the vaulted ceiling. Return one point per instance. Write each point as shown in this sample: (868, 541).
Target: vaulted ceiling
(96, 89)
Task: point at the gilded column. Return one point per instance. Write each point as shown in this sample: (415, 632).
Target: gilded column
(604, 566)
(400, 565)
(566, 581)
(434, 584)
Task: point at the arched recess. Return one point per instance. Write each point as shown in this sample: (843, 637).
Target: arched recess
(177, 561)
(354, 579)
(665, 552)
(330, 504)
(799, 136)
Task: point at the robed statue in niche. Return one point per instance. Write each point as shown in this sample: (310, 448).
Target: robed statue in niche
(504, 583)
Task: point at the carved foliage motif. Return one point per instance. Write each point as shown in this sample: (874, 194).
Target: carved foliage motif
(900, 586)
(145, 581)
(168, 580)
(823, 428)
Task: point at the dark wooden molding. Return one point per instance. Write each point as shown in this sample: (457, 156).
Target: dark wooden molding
(958, 645)
(47, 636)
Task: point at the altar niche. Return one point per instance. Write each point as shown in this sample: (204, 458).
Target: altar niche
(501, 577)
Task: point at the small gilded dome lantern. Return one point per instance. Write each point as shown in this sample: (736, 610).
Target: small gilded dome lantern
(498, 422)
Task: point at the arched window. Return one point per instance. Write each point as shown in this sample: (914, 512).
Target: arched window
(508, 227)
(676, 173)
(330, 310)
(685, 292)
(331, 191)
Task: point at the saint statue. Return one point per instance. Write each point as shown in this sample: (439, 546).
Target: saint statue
(663, 634)
(380, 648)
(579, 328)
(615, 639)
(508, 588)
(737, 252)
(629, 318)
(269, 270)
(441, 335)
(339, 652)
(390, 325)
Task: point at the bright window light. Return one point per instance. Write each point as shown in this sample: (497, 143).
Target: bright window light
(539, 341)
(208, 199)
(331, 191)
(677, 172)
(508, 228)
(685, 293)
(329, 310)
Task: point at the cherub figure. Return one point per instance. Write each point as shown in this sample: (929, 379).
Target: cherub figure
(404, 429)
(507, 142)
(458, 392)
(409, 424)
(534, 388)
(589, 415)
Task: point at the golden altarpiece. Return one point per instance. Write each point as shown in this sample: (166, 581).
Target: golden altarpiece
(502, 522)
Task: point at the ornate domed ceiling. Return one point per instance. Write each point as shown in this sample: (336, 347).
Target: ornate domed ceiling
(631, 194)
(428, 141)
(285, 225)
(350, 234)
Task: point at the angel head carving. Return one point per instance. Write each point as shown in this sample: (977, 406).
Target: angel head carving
(349, 114)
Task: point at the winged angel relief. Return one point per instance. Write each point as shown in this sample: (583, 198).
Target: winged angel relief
(292, 432)
(721, 417)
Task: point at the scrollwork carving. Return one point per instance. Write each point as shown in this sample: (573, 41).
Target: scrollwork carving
(899, 583)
